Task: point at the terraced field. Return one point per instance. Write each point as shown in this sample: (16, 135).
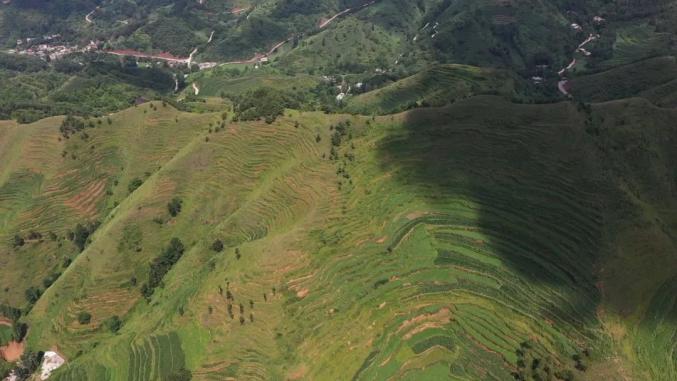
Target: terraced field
(436, 86)
(215, 82)
(50, 184)
(637, 42)
(652, 79)
(441, 243)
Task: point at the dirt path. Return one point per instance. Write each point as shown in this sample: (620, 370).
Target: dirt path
(258, 56)
(563, 87)
(322, 24)
(277, 46)
(131, 53)
(190, 57)
(325, 22)
(563, 84)
(196, 89)
(237, 11)
(88, 17)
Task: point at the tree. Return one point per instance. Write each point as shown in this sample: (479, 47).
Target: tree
(20, 331)
(33, 294)
(217, 246)
(50, 279)
(134, 184)
(18, 241)
(174, 207)
(82, 234)
(10, 312)
(180, 375)
(30, 361)
(161, 266)
(84, 317)
(113, 323)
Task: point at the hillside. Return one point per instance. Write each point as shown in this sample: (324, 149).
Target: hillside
(338, 190)
(483, 253)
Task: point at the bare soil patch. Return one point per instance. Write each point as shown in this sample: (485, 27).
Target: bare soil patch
(12, 352)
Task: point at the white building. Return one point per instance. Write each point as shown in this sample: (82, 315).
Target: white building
(50, 362)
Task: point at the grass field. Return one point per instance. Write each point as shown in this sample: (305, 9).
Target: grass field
(6, 334)
(637, 42)
(652, 79)
(436, 86)
(440, 243)
(215, 83)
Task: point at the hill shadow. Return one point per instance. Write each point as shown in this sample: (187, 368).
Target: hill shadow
(530, 177)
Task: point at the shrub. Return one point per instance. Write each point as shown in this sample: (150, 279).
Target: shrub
(10, 312)
(180, 375)
(33, 294)
(30, 361)
(217, 246)
(174, 207)
(18, 241)
(134, 184)
(113, 323)
(50, 279)
(161, 266)
(20, 331)
(71, 125)
(84, 317)
(82, 233)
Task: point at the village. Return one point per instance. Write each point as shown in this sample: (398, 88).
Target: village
(50, 47)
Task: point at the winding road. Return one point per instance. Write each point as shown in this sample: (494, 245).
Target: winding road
(562, 85)
(88, 17)
(329, 20)
(324, 23)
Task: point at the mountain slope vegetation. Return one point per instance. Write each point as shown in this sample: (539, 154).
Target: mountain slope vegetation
(480, 249)
(387, 190)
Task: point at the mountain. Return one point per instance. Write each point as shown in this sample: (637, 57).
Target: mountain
(334, 189)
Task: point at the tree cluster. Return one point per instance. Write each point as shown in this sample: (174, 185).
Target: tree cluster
(161, 266)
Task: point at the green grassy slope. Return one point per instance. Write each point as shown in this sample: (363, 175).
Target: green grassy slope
(6, 334)
(49, 184)
(436, 86)
(652, 79)
(457, 242)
